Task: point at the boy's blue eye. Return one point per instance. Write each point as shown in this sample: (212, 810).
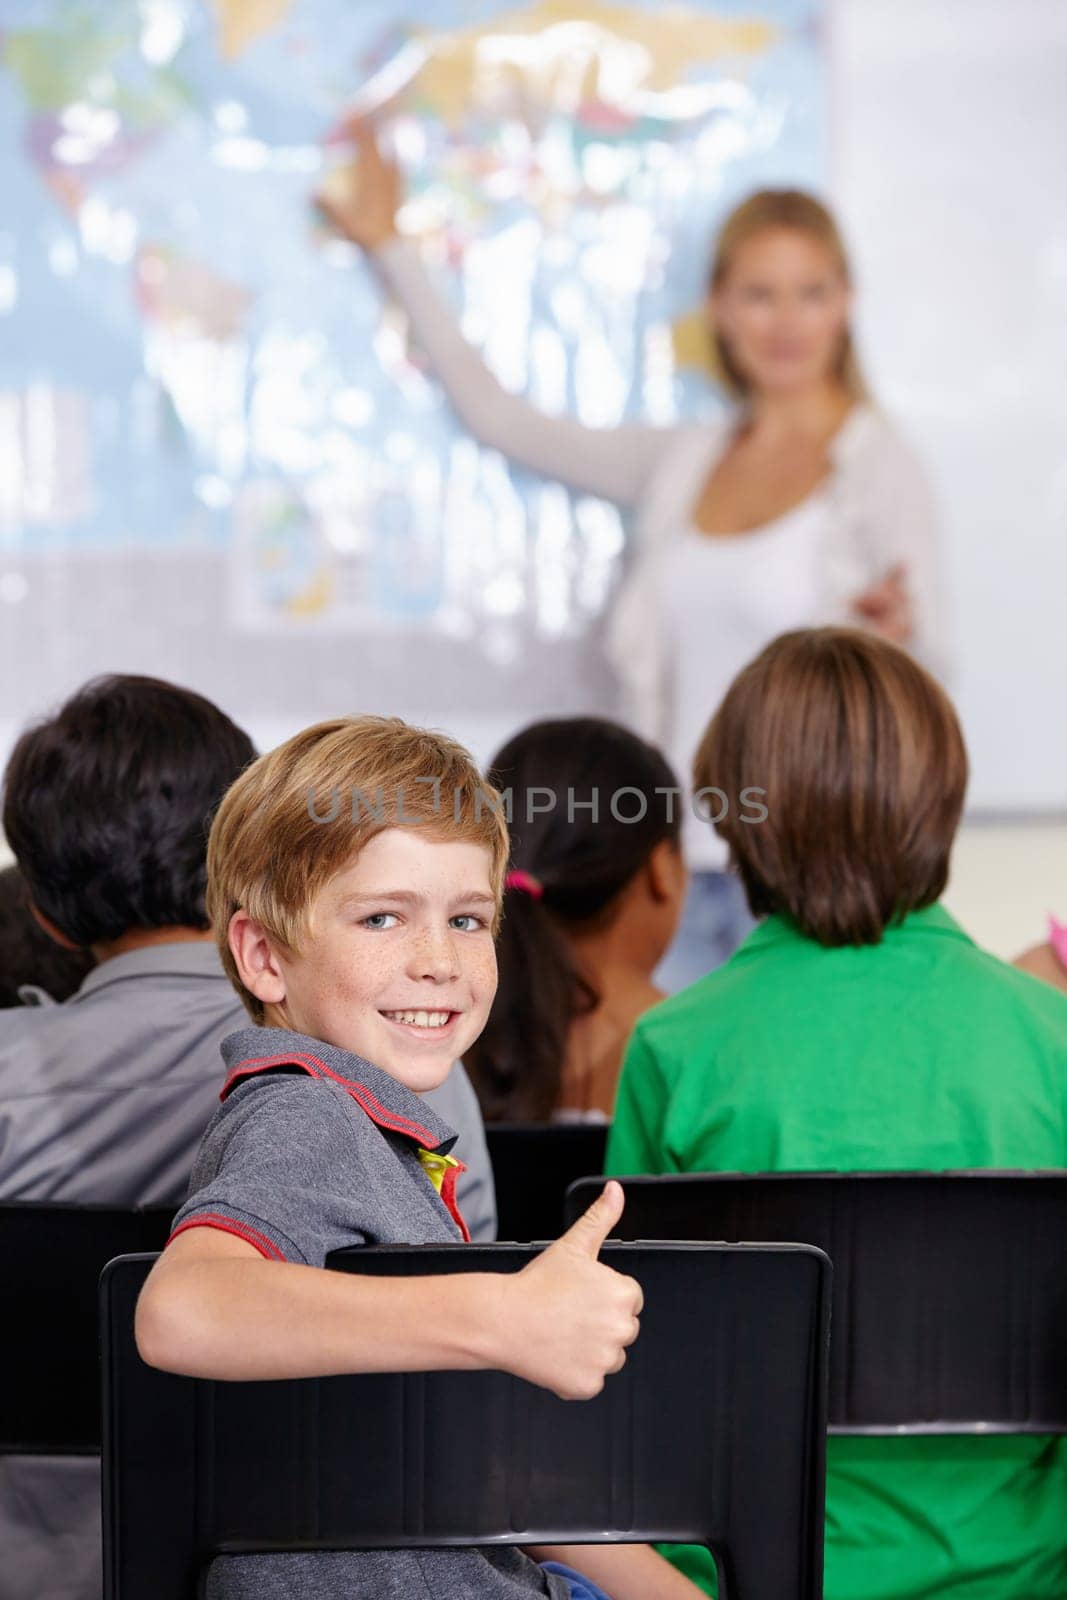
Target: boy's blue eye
(379, 920)
(474, 923)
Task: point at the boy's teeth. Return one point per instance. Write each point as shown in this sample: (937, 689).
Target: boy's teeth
(421, 1019)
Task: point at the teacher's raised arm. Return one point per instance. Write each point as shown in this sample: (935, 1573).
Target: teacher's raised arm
(361, 202)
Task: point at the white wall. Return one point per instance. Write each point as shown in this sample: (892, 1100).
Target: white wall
(1006, 880)
(949, 144)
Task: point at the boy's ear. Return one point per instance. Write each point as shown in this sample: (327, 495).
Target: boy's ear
(256, 959)
(49, 927)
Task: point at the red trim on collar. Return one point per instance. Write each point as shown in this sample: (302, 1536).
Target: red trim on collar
(392, 1120)
(448, 1195)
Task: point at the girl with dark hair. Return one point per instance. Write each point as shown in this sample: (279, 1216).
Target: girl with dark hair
(594, 893)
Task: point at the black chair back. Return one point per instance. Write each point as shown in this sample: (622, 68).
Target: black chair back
(51, 1258)
(950, 1288)
(712, 1432)
(533, 1165)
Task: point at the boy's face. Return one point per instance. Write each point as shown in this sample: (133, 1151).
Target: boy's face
(398, 965)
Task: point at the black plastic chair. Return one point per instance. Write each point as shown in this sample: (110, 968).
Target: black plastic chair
(533, 1164)
(950, 1288)
(713, 1432)
(51, 1257)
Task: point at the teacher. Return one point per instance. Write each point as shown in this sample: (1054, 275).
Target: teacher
(801, 505)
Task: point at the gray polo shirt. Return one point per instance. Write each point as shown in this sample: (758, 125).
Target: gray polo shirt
(314, 1149)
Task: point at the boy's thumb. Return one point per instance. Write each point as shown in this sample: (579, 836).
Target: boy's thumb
(587, 1234)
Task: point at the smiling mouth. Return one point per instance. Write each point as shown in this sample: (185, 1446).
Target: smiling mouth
(423, 1021)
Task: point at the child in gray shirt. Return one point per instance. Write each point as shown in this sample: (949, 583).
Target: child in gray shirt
(354, 884)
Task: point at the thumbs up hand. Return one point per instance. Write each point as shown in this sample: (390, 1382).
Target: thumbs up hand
(570, 1319)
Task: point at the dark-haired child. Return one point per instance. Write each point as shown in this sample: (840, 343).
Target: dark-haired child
(595, 891)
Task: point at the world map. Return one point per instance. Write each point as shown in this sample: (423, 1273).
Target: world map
(190, 361)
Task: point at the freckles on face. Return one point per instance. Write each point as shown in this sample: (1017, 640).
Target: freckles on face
(398, 965)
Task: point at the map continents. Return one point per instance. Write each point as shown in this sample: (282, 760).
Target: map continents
(188, 361)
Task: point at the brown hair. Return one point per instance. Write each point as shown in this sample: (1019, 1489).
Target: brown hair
(762, 211)
(862, 766)
(300, 814)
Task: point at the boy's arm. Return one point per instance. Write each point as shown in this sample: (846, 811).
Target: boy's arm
(213, 1307)
(624, 1571)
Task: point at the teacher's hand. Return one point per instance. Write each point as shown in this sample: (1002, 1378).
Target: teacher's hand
(886, 607)
(361, 200)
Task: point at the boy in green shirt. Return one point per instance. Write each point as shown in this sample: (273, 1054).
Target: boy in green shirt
(858, 1027)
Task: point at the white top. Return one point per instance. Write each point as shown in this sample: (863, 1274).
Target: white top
(878, 507)
(772, 576)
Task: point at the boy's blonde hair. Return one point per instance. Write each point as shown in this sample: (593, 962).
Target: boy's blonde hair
(299, 814)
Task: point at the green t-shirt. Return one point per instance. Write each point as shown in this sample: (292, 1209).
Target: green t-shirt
(920, 1052)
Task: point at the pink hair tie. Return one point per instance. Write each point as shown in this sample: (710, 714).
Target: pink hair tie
(525, 883)
(1057, 938)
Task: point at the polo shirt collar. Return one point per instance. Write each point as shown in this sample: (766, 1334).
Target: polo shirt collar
(390, 1104)
(775, 929)
(198, 958)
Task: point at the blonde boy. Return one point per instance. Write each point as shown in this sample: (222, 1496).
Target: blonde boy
(354, 884)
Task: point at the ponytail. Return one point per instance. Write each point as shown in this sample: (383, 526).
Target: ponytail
(567, 873)
(516, 1066)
